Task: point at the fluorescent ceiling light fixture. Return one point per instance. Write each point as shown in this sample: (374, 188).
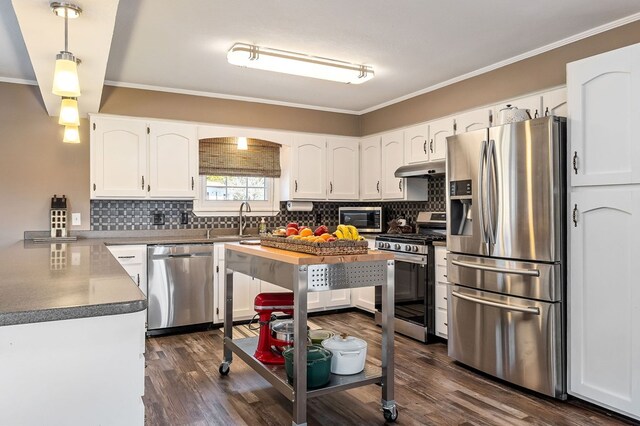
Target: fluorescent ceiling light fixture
(264, 58)
(69, 115)
(71, 134)
(65, 76)
(242, 143)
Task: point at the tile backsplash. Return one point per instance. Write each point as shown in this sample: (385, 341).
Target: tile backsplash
(122, 215)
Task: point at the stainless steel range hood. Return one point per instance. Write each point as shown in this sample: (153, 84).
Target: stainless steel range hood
(421, 169)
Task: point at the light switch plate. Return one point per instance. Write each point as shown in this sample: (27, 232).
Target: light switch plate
(76, 219)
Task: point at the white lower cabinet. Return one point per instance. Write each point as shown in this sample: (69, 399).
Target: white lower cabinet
(440, 255)
(365, 297)
(133, 259)
(604, 297)
(84, 371)
(337, 298)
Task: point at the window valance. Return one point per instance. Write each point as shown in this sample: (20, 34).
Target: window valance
(221, 157)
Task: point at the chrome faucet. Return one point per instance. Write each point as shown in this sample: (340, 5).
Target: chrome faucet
(242, 221)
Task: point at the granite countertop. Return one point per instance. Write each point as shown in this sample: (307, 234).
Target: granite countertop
(50, 282)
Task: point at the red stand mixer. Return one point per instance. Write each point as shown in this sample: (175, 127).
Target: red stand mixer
(265, 305)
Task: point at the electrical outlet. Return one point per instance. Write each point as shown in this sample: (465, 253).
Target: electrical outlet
(76, 219)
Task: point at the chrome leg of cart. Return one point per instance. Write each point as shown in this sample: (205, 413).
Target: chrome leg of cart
(301, 279)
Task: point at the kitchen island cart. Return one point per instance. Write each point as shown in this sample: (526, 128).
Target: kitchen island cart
(303, 273)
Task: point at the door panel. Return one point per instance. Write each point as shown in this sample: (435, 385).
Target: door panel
(342, 163)
(439, 130)
(416, 144)
(392, 159)
(172, 160)
(309, 162)
(488, 332)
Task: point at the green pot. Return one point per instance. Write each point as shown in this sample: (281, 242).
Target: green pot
(318, 366)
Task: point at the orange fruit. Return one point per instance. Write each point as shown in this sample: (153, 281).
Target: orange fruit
(305, 232)
(325, 237)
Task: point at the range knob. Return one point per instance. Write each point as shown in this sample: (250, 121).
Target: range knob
(414, 249)
(380, 244)
(387, 245)
(396, 246)
(407, 248)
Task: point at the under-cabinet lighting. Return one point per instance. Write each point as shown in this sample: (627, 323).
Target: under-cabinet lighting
(265, 58)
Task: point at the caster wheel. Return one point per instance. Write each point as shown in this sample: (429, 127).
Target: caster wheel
(224, 369)
(390, 414)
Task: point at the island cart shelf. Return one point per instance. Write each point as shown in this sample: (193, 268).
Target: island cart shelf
(303, 273)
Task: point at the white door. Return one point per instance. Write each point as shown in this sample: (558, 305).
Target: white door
(245, 290)
(555, 102)
(364, 298)
(370, 168)
(416, 149)
(119, 158)
(338, 298)
(343, 173)
(173, 157)
(604, 298)
(309, 168)
(472, 120)
(392, 159)
(604, 109)
(438, 132)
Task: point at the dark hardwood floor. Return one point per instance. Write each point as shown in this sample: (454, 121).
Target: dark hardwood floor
(183, 387)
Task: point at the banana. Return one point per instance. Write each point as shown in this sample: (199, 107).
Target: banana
(345, 231)
(338, 234)
(354, 232)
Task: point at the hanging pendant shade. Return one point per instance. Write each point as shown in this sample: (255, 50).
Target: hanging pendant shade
(71, 134)
(69, 115)
(65, 76)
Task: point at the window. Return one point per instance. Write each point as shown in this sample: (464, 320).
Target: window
(220, 195)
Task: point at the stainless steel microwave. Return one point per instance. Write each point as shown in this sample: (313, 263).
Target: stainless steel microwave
(365, 219)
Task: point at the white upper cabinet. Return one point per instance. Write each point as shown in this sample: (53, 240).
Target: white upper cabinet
(173, 160)
(392, 159)
(343, 172)
(370, 168)
(472, 120)
(604, 107)
(118, 158)
(131, 158)
(416, 143)
(438, 132)
(555, 102)
(309, 168)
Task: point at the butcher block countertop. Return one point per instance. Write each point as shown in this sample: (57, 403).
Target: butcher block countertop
(296, 258)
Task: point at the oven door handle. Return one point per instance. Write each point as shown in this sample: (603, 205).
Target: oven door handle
(527, 272)
(525, 309)
(417, 260)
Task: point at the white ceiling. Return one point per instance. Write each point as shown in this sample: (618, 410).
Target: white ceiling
(413, 45)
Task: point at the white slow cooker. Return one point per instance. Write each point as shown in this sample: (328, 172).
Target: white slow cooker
(349, 354)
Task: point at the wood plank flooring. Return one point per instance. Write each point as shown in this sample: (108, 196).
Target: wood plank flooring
(183, 387)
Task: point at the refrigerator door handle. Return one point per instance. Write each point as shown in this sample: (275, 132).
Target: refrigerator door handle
(527, 272)
(525, 309)
(481, 166)
(491, 172)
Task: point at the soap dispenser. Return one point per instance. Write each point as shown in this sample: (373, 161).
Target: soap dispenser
(262, 228)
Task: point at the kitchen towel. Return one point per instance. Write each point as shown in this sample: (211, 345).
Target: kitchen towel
(299, 206)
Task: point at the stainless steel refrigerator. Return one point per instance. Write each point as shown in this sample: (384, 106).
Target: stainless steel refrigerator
(507, 241)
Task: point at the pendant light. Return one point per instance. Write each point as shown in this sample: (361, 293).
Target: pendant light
(65, 76)
(69, 115)
(71, 134)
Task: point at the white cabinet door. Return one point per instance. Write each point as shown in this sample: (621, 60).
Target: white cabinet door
(173, 157)
(370, 168)
(555, 102)
(133, 259)
(604, 298)
(245, 290)
(343, 173)
(416, 143)
(364, 298)
(119, 158)
(472, 120)
(309, 168)
(392, 159)
(338, 298)
(438, 132)
(604, 109)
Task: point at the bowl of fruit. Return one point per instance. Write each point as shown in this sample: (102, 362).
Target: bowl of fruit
(318, 241)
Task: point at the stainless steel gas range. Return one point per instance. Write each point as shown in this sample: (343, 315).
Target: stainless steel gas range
(414, 275)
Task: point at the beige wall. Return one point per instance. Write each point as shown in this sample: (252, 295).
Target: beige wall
(35, 164)
(529, 75)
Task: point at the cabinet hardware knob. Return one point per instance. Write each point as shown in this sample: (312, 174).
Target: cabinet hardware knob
(378, 186)
(445, 298)
(546, 112)
(138, 279)
(425, 146)
(142, 187)
(94, 186)
(192, 183)
(431, 146)
(575, 162)
(331, 187)
(148, 188)
(296, 185)
(400, 184)
(575, 216)
(446, 324)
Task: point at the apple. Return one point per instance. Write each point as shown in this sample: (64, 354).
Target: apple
(293, 225)
(331, 239)
(292, 231)
(322, 229)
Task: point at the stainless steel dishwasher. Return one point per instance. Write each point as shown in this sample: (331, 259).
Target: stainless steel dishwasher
(180, 285)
